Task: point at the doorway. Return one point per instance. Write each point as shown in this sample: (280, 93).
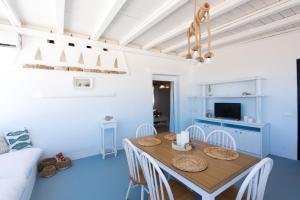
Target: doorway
(165, 103)
(298, 103)
(161, 105)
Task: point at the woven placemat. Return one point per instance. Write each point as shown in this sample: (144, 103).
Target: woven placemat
(221, 153)
(149, 142)
(189, 163)
(170, 136)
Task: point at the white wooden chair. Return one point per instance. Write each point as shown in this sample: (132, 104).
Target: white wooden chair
(135, 171)
(158, 186)
(221, 138)
(196, 132)
(145, 130)
(253, 187)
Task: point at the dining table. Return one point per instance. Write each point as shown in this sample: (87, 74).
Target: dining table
(216, 178)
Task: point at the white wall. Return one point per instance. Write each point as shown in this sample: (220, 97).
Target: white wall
(274, 59)
(71, 125)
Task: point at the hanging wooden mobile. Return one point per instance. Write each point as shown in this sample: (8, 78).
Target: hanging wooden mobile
(98, 64)
(201, 17)
(38, 54)
(80, 60)
(62, 57)
(116, 64)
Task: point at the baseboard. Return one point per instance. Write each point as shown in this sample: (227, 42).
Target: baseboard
(83, 154)
(86, 153)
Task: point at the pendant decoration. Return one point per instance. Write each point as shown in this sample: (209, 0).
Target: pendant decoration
(62, 57)
(116, 64)
(80, 60)
(38, 54)
(98, 64)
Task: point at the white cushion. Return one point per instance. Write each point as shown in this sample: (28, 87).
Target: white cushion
(12, 188)
(19, 164)
(4, 148)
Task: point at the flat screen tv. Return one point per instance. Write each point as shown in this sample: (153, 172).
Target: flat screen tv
(228, 110)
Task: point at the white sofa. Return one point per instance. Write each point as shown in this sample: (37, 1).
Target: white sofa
(18, 170)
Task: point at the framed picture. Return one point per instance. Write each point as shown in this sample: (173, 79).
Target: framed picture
(82, 82)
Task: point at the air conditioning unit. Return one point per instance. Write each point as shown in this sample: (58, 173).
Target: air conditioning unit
(9, 39)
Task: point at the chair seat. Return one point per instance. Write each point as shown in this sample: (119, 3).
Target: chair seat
(142, 180)
(230, 194)
(180, 192)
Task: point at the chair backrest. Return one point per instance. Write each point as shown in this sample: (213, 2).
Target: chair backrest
(132, 159)
(221, 138)
(196, 132)
(145, 130)
(256, 181)
(157, 183)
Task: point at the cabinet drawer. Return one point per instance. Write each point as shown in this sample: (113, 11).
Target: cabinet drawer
(250, 141)
(207, 128)
(109, 125)
(234, 133)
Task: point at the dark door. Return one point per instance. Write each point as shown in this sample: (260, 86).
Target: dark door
(298, 93)
(161, 106)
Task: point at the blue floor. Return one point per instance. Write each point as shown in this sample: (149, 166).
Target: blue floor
(95, 179)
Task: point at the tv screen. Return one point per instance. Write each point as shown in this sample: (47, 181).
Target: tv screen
(228, 110)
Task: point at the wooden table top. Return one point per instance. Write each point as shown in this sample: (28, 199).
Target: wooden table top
(218, 173)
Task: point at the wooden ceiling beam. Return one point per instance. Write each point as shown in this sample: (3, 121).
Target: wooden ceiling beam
(255, 31)
(215, 12)
(13, 18)
(106, 21)
(159, 14)
(67, 38)
(259, 30)
(60, 16)
(254, 16)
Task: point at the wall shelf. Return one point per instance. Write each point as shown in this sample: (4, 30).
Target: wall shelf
(235, 88)
(237, 96)
(71, 96)
(218, 121)
(254, 78)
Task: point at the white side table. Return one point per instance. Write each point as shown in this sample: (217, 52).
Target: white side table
(104, 126)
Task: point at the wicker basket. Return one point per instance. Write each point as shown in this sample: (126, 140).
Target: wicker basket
(46, 162)
(48, 171)
(64, 164)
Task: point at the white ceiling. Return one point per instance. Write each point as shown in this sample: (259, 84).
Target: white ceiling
(81, 16)
(145, 22)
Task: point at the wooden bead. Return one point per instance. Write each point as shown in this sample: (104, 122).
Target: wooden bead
(209, 55)
(188, 56)
(200, 59)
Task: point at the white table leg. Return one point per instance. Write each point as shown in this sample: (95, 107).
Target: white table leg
(103, 147)
(208, 197)
(115, 142)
